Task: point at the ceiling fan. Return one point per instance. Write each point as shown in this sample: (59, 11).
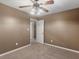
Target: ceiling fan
(37, 5)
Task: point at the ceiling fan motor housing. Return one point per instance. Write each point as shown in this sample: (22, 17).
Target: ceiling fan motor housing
(36, 0)
(36, 5)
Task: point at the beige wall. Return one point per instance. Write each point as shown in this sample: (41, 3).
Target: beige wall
(63, 29)
(14, 27)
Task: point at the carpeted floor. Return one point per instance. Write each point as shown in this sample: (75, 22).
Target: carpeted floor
(40, 51)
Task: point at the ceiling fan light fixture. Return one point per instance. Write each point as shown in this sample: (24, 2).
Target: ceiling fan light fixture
(36, 11)
(40, 11)
(33, 11)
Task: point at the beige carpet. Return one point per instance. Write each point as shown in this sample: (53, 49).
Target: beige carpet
(40, 51)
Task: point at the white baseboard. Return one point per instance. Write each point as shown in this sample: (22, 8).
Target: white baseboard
(44, 43)
(75, 51)
(14, 50)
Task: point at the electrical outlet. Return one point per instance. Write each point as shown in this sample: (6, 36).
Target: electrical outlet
(16, 43)
(51, 41)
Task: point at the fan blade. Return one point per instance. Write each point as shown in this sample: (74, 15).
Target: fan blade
(48, 2)
(32, 1)
(43, 4)
(44, 9)
(24, 6)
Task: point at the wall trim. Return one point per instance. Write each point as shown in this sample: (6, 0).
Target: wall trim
(67, 49)
(75, 51)
(14, 50)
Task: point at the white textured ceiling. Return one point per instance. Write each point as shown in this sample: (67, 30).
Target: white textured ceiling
(58, 6)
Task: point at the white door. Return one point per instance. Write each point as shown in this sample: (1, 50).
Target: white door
(40, 31)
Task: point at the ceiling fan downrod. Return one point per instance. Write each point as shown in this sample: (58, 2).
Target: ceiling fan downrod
(36, 0)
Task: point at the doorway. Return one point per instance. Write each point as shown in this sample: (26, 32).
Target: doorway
(32, 30)
(36, 31)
